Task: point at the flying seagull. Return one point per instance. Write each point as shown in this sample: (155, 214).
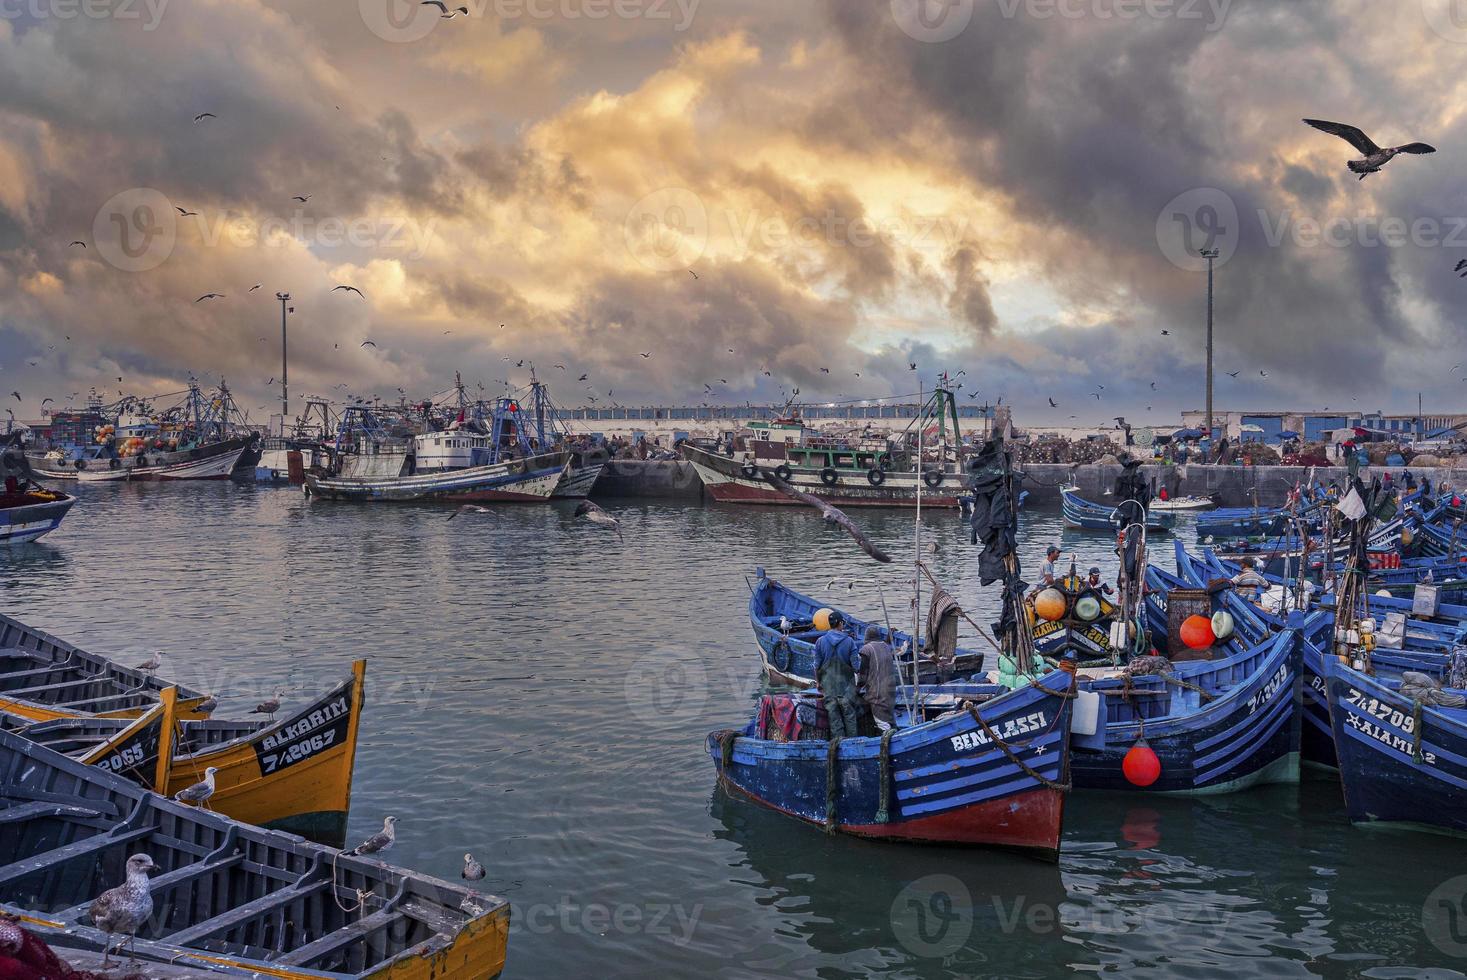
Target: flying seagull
(209, 296)
(1166, 333)
(473, 870)
(831, 514)
(1053, 404)
(1234, 374)
(470, 509)
(199, 793)
(124, 908)
(74, 244)
(204, 115)
(254, 287)
(303, 200)
(182, 213)
(1461, 268)
(368, 343)
(593, 513)
(350, 289)
(1375, 156)
(378, 842)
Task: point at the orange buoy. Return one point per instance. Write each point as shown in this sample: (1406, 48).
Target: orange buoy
(1141, 767)
(1197, 632)
(1050, 605)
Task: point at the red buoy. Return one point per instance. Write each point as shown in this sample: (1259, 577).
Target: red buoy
(1141, 767)
(1197, 633)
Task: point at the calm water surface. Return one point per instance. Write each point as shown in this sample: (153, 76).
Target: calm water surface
(539, 694)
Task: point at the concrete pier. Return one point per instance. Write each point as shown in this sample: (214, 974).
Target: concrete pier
(1234, 486)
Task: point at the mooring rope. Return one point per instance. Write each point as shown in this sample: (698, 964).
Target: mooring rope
(1028, 770)
(1416, 732)
(832, 788)
(883, 810)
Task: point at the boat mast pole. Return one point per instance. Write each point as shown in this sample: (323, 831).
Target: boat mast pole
(917, 563)
(284, 366)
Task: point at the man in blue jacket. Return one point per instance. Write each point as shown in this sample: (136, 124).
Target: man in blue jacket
(837, 658)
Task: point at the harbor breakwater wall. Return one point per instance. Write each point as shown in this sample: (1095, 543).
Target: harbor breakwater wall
(1234, 486)
(1231, 486)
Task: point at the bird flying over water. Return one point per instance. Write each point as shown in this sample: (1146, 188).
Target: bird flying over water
(1234, 374)
(1053, 404)
(831, 514)
(1375, 156)
(593, 513)
(204, 115)
(1461, 268)
(470, 509)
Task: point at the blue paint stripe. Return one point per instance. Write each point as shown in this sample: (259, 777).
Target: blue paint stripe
(1446, 754)
(1251, 749)
(1249, 723)
(981, 758)
(958, 802)
(1047, 764)
(1382, 748)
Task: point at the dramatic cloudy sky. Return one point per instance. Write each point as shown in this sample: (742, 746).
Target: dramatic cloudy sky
(1014, 188)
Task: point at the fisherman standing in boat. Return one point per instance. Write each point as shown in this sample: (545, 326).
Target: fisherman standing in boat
(878, 677)
(1047, 574)
(1248, 582)
(836, 662)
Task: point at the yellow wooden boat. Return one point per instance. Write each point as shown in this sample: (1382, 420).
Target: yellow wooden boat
(293, 774)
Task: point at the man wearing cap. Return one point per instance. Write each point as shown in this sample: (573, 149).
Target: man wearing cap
(1094, 581)
(837, 658)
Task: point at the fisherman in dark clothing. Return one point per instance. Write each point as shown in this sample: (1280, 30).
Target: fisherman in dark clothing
(836, 662)
(878, 677)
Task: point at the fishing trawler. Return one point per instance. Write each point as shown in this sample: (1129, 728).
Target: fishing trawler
(201, 438)
(866, 472)
(484, 454)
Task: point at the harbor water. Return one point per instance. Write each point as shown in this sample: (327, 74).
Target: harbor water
(539, 694)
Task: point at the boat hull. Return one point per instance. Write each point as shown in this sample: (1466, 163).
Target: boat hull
(216, 461)
(727, 482)
(1400, 767)
(1247, 734)
(29, 521)
(525, 481)
(1085, 515)
(950, 783)
(577, 481)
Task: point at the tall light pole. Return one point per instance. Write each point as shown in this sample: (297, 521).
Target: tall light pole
(1209, 255)
(285, 365)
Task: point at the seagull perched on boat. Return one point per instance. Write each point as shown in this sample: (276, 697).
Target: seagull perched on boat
(831, 514)
(207, 706)
(199, 793)
(592, 512)
(378, 842)
(270, 705)
(126, 907)
(152, 663)
(473, 870)
(1375, 156)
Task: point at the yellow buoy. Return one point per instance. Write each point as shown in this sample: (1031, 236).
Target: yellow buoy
(1050, 605)
(822, 619)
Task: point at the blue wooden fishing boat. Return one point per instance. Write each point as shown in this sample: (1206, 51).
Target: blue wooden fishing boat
(1215, 726)
(783, 622)
(1402, 763)
(1086, 515)
(993, 771)
(27, 510)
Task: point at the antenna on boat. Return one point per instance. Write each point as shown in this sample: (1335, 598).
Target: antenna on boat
(917, 567)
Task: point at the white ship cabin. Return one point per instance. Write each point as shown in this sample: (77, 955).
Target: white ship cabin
(455, 449)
